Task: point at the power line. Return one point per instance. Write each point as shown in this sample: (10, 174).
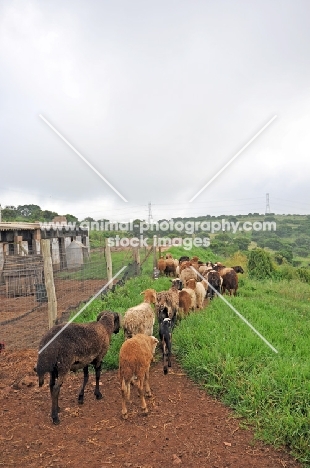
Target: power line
(267, 204)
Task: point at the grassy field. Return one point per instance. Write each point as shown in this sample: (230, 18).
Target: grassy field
(270, 391)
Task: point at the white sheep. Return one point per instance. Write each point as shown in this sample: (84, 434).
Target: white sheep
(140, 318)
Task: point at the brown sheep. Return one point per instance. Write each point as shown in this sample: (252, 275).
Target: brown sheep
(161, 265)
(185, 301)
(193, 298)
(135, 359)
(170, 269)
(238, 269)
(214, 282)
(74, 346)
(230, 282)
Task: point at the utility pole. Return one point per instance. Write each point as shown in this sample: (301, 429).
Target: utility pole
(267, 204)
(150, 218)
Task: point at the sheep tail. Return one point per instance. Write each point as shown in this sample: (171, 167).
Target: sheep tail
(124, 386)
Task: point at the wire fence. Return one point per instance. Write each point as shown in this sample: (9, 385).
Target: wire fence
(24, 306)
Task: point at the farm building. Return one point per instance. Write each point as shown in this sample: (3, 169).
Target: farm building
(21, 262)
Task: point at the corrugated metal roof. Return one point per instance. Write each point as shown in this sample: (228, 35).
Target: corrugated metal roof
(7, 226)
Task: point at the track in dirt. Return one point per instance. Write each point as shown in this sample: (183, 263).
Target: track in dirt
(185, 427)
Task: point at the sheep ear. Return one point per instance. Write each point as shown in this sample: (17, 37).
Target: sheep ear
(99, 316)
(141, 293)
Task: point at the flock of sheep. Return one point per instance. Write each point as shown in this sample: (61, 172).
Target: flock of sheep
(74, 346)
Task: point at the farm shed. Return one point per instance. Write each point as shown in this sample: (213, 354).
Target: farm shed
(20, 254)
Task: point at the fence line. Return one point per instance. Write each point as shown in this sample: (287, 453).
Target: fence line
(24, 299)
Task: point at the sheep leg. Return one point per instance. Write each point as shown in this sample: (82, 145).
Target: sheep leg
(125, 393)
(53, 377)
(169, 350)
(81, 394)
(167, 353)
(55, 395)
(165, 356)
(147, 383)
(141, 395)
(97, 391)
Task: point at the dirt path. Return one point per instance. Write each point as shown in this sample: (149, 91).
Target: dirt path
(185, 427)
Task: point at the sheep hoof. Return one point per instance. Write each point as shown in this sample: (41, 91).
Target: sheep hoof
(56, 421)
(144, 412)
(165, 370)
(125, 416)
(98, 396)
(80, 401)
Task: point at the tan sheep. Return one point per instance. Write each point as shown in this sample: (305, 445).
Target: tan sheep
(170, 269)
(169, 300)
(149, 296)
(200, 291)
(186, 274)
(135, 359)
(183, 264)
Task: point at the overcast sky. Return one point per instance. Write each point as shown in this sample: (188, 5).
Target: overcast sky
(157, 96)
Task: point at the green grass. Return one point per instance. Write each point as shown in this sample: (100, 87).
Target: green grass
(225, 357)
(272, 391)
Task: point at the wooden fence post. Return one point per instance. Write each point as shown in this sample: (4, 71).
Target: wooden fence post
(154, 252)
(108, 259)
(49, 282)
(136, 259)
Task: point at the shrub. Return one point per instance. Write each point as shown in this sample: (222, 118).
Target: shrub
(260, 265)
(304, 274)
(285, 272)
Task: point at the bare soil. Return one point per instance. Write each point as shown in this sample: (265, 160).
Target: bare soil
(184, 427)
